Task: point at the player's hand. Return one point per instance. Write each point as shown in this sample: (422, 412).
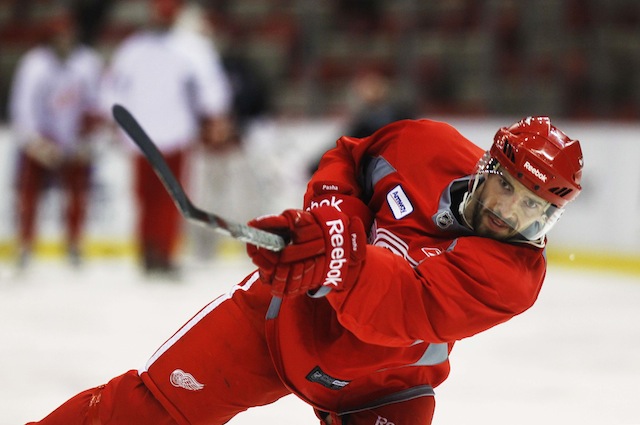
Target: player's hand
(327, 250)
(45, 152)
(218, 134)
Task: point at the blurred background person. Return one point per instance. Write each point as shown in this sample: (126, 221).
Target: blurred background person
(225, 177)
(373, 103)
(169, 80)
(53, 110)
(372, 106)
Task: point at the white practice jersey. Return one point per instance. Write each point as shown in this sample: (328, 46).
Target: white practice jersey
(50, 96)
(168, 80)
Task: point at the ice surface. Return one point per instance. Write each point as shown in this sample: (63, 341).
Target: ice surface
(574, 358)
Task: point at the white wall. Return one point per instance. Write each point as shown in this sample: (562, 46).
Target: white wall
(604, 217)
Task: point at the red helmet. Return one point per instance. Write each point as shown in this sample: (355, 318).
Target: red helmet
(542, 158)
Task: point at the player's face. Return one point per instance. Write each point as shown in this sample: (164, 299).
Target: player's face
(502, 207)
(165, 12)
(63, 41)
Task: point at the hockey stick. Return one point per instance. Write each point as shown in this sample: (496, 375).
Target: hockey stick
(238, 231)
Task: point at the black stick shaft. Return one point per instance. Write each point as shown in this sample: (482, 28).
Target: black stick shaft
(238, 231)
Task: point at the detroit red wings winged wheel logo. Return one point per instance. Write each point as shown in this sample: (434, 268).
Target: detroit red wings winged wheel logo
(182, 379)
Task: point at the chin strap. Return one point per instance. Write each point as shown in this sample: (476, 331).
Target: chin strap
(462, 207)
(538, 243)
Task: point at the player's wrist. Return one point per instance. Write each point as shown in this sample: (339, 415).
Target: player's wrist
(345, 248)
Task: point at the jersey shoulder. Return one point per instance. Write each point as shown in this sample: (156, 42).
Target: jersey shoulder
(427, 147)
(134, 44)
(37, 58)
(35, 65)
(440, 134)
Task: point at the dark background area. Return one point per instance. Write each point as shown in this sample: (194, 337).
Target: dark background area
(576, 59)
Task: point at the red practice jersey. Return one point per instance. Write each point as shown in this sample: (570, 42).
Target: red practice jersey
(427, 281)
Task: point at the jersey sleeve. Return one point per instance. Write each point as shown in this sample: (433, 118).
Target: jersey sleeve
(476, 284)
(109, 89)
(340, 173)
(212, 93)
(25, 96)
(92, 73)
(343, 164)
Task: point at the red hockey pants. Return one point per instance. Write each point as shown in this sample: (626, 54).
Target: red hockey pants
(158, 223)
(216, 366)
(33, 179)
(124, 400)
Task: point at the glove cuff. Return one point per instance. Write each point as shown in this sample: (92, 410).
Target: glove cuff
(331, 194)
(345, 248)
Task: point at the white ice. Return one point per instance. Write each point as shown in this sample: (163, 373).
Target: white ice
(574, 358)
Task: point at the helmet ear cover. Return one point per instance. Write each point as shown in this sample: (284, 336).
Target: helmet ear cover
(542, 158)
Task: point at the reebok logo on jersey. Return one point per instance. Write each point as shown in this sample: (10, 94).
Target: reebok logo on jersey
(331, 202)
(337, 255)
(533, 170)
(383, 421)
(182, 379)
(399, 203)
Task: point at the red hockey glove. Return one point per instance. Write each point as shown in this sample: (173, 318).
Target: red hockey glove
(340, 197)
(327, 250)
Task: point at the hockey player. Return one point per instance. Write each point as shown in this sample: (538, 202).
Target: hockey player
(53, 110)
(360, 330)
(160, 65)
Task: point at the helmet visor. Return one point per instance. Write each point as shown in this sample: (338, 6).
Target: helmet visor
(501, 207)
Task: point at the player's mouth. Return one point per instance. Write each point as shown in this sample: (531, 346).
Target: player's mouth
(498, 225)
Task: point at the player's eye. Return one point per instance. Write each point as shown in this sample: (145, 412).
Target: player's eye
(505, 185)
(531, 204)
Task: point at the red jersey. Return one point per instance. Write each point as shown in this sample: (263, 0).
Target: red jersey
(427, 281)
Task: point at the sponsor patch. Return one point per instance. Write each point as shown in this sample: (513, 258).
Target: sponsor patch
(319, 377)
(399, 203)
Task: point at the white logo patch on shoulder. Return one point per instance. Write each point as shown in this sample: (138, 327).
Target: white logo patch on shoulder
(182, 379)
(399, 203)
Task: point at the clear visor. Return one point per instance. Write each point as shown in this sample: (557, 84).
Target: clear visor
(501, 207)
